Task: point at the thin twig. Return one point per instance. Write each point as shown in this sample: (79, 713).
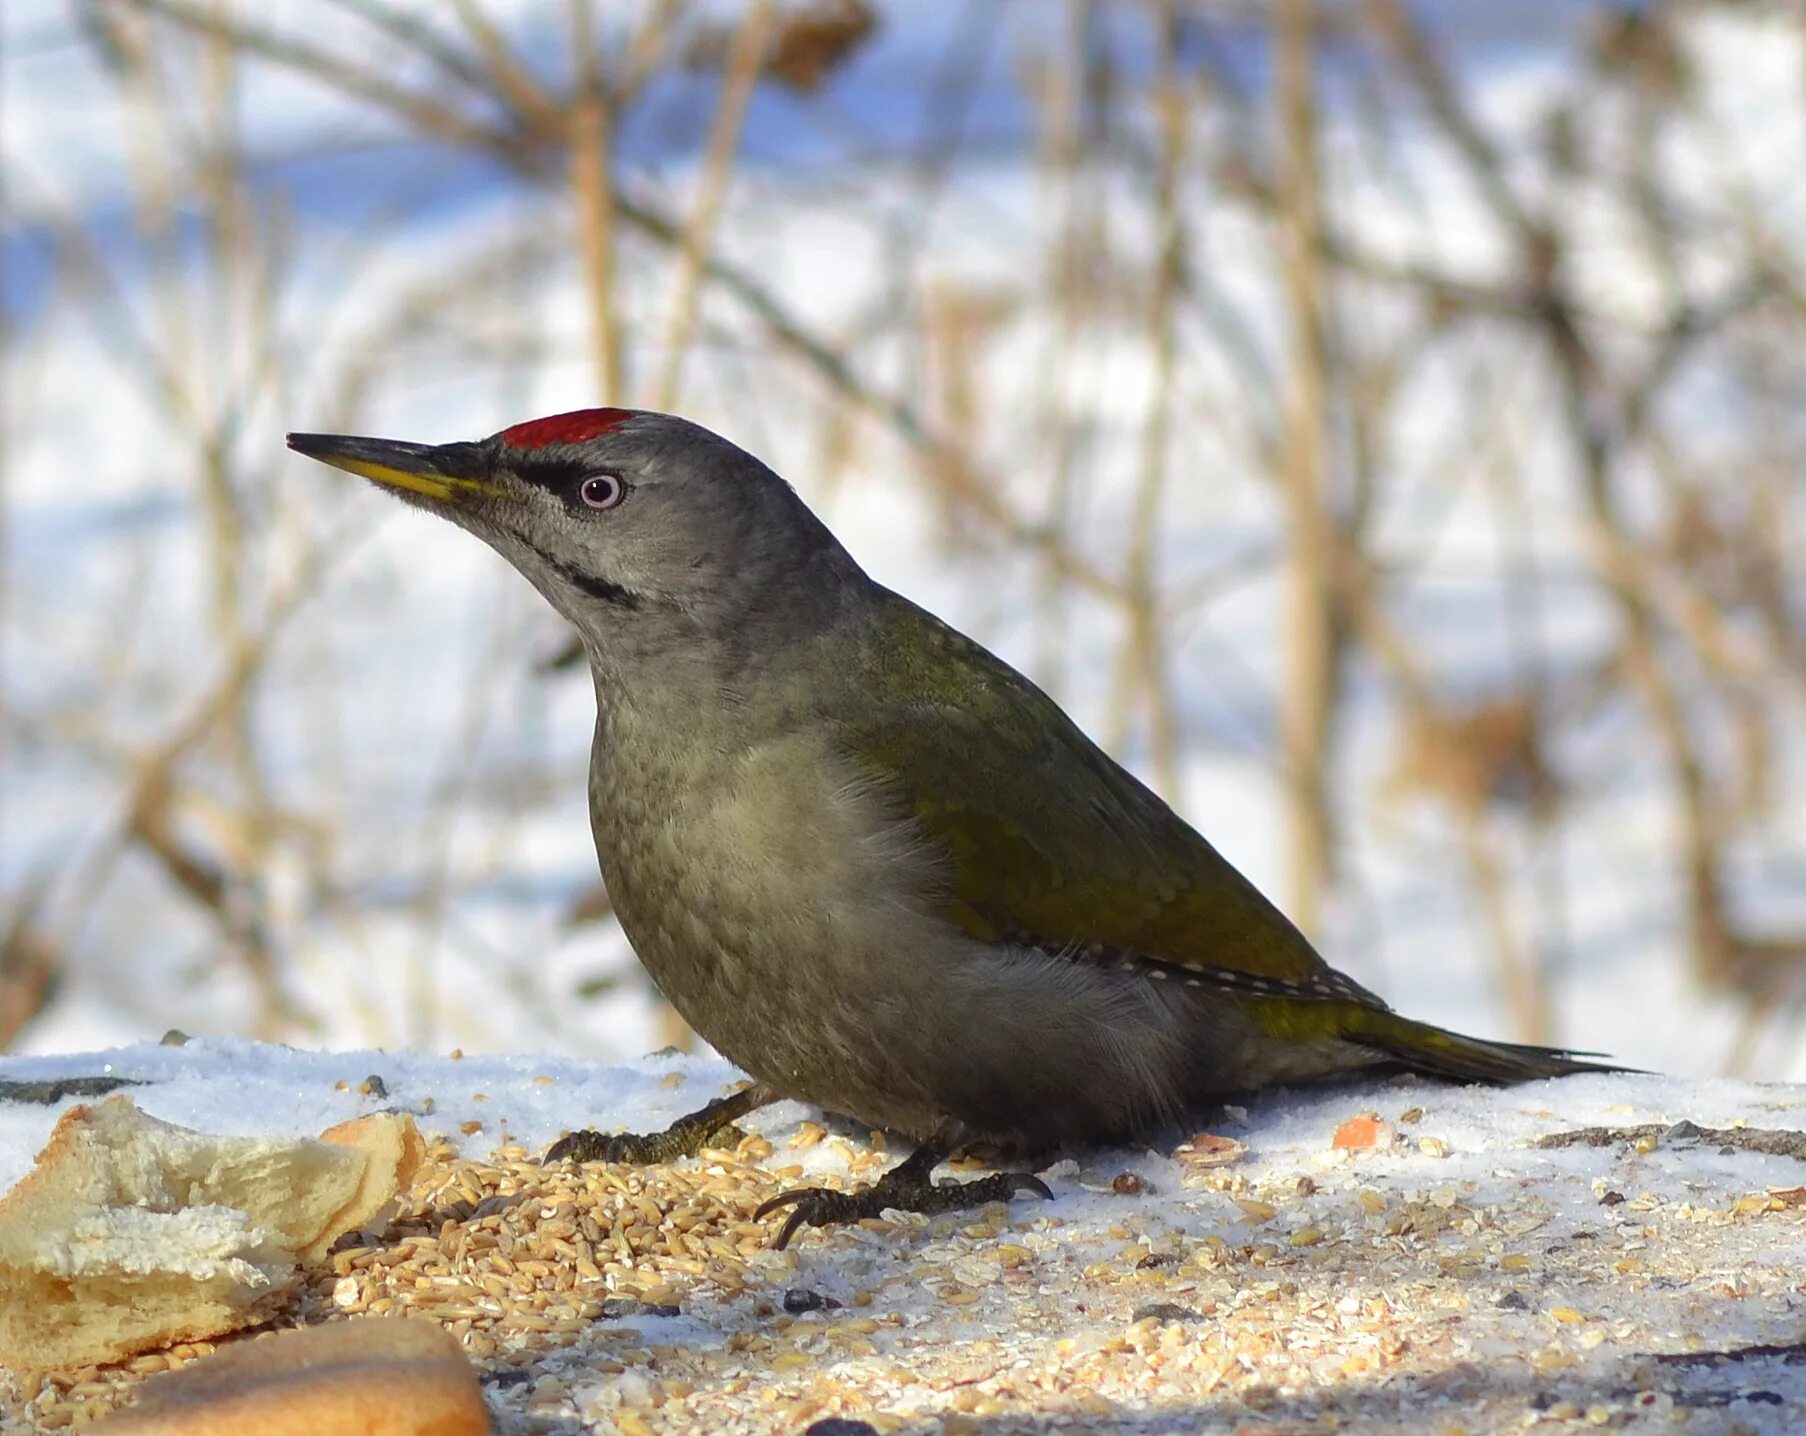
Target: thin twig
(1310, 696)
(744, 60)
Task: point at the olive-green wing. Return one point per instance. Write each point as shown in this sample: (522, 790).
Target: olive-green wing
(1043, 838)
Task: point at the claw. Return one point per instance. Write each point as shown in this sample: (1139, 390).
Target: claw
(814, 1206)
(788, 1230)
(585, 1146)
(795, 1196)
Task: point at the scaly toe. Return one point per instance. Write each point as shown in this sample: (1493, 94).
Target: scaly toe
(825, 1207)
(628, 1149)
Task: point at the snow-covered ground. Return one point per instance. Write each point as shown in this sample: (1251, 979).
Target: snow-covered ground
(1457, 1276)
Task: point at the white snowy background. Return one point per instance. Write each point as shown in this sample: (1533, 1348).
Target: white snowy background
(398, 806)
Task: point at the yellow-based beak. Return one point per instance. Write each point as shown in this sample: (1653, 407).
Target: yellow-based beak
(444, 472)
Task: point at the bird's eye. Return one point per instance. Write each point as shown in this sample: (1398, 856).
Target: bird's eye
(602, 491)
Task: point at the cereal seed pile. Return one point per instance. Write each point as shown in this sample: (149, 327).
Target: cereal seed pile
(1392, 1289)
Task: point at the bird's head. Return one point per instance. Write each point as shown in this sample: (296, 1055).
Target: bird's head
(620, 517)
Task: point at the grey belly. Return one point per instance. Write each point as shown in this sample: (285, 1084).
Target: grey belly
(786, 921)
(1003, 1045)
(797, 1017)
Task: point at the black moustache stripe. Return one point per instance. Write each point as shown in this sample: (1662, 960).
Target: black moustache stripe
(611, 593)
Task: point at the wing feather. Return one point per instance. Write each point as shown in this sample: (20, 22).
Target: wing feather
(1045, 839)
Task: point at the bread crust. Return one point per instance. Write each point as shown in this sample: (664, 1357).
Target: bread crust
(130, 1233)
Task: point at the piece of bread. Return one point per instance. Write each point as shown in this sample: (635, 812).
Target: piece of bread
(393, 1151)
(130, 1233)
(375, 1376)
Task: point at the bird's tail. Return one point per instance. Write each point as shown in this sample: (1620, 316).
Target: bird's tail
(1437, 1052)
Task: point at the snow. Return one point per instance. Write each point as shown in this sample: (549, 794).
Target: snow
(232, 1086)
(1461, 1277)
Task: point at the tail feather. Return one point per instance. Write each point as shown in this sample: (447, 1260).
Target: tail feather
(1437, 1052)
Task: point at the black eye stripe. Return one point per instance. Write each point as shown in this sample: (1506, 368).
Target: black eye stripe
(565, 478)
(558, 476)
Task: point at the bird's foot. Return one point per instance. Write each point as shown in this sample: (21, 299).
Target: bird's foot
(906, 1187)
(712, 1126)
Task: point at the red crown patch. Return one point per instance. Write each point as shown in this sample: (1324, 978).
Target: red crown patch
(571, 428)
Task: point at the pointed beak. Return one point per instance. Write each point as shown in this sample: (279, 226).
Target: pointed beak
(443, 472)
